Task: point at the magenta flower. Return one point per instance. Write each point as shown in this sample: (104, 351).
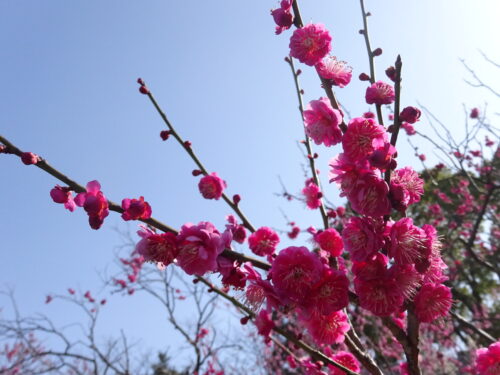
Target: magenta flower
(410, 115)
(135, 209)
(238, 231)
(212, 186)
(327, 329)
(161, 248)
(488, 360)
(380, 93)
(313, 195)
(362, 238)
(406, 188)
(330, 240)
(432, 301)
(369, 196)
(346, 359)
(94, 203)
(310, 44)
(264, 323)
(283, 16)
(345, 172)
(322, 122)
(263, 241)
(63, 195)
(199, 246)
(294, 271)
(362, 137)
(408, 242)
(380, 296)
(338, 72)
(329, 294)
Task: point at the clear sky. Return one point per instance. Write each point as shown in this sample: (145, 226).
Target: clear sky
(69, 94)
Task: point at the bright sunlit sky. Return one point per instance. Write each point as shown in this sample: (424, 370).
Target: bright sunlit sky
(69, 94)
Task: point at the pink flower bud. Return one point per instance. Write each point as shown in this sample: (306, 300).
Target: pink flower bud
(377, 52)
(236, 199)
(391, 73)
(364, 77)
(410, 115)
(29, 158)
(196, 172)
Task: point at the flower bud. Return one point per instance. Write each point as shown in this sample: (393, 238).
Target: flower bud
(364, 77)
(377, 52)
(410, 115)
(391, 73)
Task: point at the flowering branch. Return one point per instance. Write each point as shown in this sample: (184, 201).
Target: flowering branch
(315, 354)
(371, 55)
(188, 148)
(45, 166)
(307, 141)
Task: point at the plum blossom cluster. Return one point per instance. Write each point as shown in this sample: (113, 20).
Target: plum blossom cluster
(96, 205)
(393, 262)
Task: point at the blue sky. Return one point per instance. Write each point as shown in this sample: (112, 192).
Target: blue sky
(69, 94)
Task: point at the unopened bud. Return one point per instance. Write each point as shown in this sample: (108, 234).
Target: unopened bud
(236, 199)
(299, 72)
(244, 320)
(377, 52)
(140, 81)
(364, 77)
(164, 134)
(391, 73)
(187, 144)
(144, 90)
(196, 172)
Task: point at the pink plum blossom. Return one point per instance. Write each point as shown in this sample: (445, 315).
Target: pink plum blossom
(63, 195)
(322, 122)
(238, 231)
(338, 72)
(161, 248)
(283, 16)
(329, 294)
(294, 271)
(369, 196)
(347, 360)
(135, 209)
(380, 93)
(263, 241)
(432, 301)
(488, 360)
(211, 186)
(362, 137)
(408, 242)
(94, 203)
(310, 44)
(406, 188)
(330, 241)
(380, 296)
(264, 323)
(327, 329)
(362, 238)
(313, 195)
(199, 246)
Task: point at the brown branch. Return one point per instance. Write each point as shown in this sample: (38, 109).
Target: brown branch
(44, 165)
(315, 354)
(307, 142)
(187, 147)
